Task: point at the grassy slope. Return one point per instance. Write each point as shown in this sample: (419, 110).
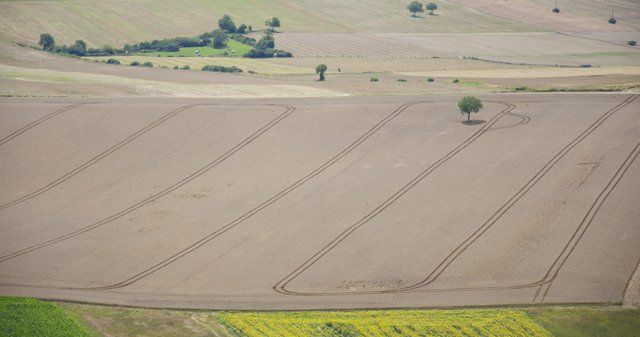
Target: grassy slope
(118, 22)
(233, 49)
(30, 317)
(568, 322)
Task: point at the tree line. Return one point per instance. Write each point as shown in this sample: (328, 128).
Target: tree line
(217, 38)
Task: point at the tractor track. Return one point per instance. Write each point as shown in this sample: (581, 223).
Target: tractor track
(196, 245)
(99, 157)
(280, 287)
(162, 264)
(39, 121)
(288, 111)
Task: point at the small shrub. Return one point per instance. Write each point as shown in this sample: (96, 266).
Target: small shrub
(556, 10)
(632, 43)
(221, 69)
(186, 67)
(176, 67)
(613, 21)
(148, 64)
(134, 64)
(430, 79)
(374, 79)
(401, 80)
(251, 72)
(456, 81)
(521, 88)
(113, 61)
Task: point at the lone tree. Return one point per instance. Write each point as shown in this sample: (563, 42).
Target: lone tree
(432, 7)
(321, 69)
(47, 42)
(415, 7)
(226, 23)
(469, 104)
(273, 23)
(219, 38)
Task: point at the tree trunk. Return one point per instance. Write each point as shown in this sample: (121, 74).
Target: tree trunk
(468, 118)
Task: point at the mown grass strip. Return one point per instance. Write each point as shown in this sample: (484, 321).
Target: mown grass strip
(31, 317)
(588, 322)
(458, 323)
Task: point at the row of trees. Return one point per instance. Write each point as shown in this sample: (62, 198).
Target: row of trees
(416, 7)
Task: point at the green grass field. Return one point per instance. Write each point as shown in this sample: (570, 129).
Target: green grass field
(27, 317)
(233, 49)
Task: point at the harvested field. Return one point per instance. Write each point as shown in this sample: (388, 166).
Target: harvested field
(528, 48)
(116, 22)
(320, 203)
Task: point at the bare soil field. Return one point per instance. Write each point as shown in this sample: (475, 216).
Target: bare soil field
(352, 202)
(528, 48)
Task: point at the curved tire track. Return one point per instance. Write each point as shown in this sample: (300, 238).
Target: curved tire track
(280, 287)
(196, 245)
(191, 248)
(288, 111)
(39, 121)
(98, 157)
(554, 270)
(523, 120)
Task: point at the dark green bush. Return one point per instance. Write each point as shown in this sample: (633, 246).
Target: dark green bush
(222, 69)
(134, 64)
(113, 61)
(147, 64)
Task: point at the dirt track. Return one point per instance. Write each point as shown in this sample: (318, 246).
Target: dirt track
(320, 203)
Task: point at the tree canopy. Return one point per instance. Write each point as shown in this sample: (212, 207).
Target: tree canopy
(432, 7)
(219, 38)
(274, 22)
(226, 23)
(468, 105)
(47, 42)
(320, 70)
(415, 7)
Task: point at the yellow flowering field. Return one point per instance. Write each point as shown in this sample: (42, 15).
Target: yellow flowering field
(411, 323)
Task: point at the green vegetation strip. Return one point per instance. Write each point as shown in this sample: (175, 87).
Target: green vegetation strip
(30, 317)
(389, 323)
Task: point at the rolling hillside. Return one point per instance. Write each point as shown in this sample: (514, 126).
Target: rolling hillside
(118, 22)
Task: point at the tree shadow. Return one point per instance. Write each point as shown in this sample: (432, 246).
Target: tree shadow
(417, 17)
(474, 122)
